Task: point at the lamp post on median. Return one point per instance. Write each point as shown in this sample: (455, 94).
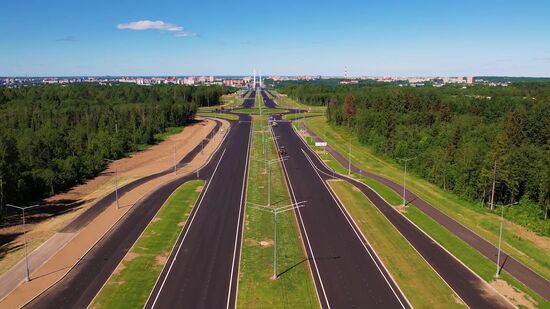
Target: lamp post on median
(500, 237)
(27, 272)
(116, 182)
(405, 179)
(275, 212)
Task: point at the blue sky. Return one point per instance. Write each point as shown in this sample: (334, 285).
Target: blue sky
(60, 38)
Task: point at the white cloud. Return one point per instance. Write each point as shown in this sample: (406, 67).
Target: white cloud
(156, 25)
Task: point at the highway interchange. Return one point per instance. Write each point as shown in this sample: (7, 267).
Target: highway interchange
(202, 270)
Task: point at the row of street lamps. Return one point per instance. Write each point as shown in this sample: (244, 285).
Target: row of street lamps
(406, 160)
(269, 207)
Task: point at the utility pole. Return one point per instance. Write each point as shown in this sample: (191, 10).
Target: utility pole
(27, 272)
(116, 182)
(494, 185)
(500, 237)
(405, 180)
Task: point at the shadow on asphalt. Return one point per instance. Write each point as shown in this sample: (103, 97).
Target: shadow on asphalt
(51, 272)
(304, 260)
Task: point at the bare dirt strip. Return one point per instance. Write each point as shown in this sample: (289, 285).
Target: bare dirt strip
(66, 247)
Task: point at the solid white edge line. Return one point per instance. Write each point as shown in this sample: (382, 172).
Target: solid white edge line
(432, 239)
(224, 136)
(444, 213)
(242, 233)
(353, 227)
(301, 235)
(243, 194)
(135, 242)
(305, 231)
(187, 231)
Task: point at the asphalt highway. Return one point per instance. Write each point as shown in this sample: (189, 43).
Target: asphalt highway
(524, 274)
(249, 102)
(347, 272)
(202, 271)
(470, 288)
(83, 282)
(269, 103)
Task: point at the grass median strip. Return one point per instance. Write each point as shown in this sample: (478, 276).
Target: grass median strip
(220, 115)
(256, 111)
(133, 280)
(388, 194)
(294, 286)
(411, 272)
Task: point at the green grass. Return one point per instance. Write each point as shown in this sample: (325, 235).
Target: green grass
(226, 101)
(518, 241)
(410, 271)
(469, 256)
(294, 287)
(256, 111)
(132, 283)
(301, 115)
(388, 194)
(286, 102)
(220, 115)
(159, 137)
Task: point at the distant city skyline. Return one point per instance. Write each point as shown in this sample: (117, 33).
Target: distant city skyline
(369, 38)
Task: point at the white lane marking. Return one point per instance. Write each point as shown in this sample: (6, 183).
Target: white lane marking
(305, 231)
(188, 228)
(243, 190)
(355, 231)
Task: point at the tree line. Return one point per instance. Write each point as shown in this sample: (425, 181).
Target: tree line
(53, 137)
(464, 139)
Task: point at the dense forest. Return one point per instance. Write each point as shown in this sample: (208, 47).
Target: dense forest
(463, 138)
(52, 137)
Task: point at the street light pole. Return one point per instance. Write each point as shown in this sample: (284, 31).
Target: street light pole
(27, 272)
(275, 212)
(26, 250)
(500, 238)
(175, 168)
(405, 180)
(116, 186)
(116, 182)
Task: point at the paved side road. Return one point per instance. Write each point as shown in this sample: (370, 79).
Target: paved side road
(202, 270)
(475, 292)
(83, 282)
(346, 270)
(13, 277)
(521, 272)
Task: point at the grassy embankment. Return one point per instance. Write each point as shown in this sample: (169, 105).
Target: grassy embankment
(228, 101)
(134, 278)
(294, 287)
(520, 243)
(410, 271)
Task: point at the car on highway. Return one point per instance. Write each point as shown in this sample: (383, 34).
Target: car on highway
(282, 151)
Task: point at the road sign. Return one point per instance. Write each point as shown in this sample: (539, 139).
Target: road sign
(321, 144)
